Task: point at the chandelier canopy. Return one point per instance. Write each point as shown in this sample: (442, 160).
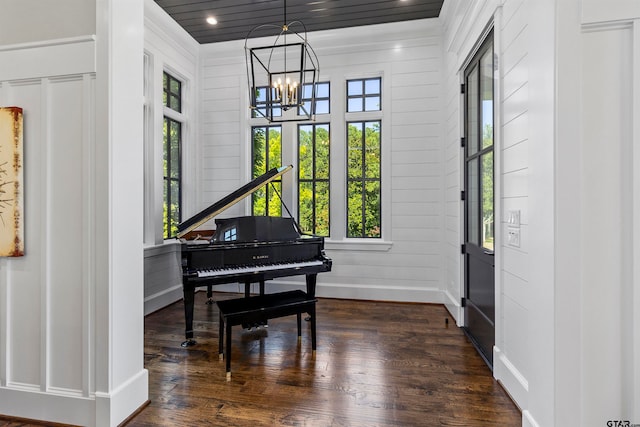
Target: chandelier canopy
(282, 77)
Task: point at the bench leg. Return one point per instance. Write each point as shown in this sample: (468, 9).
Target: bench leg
(312, 314)
(220, 337)
(299, 319)
(228, 351)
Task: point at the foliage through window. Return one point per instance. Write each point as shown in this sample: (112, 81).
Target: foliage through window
(364, 95)
(266, 154)
(313, 178)
(364, 189)
(172, 141)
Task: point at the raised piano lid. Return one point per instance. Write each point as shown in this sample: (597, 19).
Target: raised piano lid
(226, 202)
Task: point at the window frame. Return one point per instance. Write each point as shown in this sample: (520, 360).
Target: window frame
(170, 116)
(364, 95)
(267, 189)
(363, 179)
(314, 178)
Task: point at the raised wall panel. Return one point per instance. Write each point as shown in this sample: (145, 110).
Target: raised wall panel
(23, 277)
(64, 148)
(465, 23)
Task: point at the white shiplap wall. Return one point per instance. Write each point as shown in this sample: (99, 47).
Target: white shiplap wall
(465, 23)
(167, 48)
(408, 264)
(512, 354)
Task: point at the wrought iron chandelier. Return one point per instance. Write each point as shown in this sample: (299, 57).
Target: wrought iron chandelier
(282, 77)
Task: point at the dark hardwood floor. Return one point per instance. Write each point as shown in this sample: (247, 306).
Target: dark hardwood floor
(377, 364)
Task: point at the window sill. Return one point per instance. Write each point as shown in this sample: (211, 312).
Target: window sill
(358, 245)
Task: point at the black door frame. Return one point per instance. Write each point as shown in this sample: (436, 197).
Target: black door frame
(480, 311)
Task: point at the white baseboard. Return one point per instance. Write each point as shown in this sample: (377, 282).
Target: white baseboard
(162, 299)
(36, 405)
(528, 421)
(114, 407)
(343, 291)
(377, 293)
(453, 307)
(512, 380)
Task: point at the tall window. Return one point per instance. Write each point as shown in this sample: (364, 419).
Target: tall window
(267, 154)
(364, 172)
(172, 141)
(364, 183)
(313, 178)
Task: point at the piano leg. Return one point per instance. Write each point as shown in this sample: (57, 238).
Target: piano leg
(189, 296)
(311, 284)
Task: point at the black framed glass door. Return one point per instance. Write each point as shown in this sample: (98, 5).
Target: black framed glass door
(479, 266)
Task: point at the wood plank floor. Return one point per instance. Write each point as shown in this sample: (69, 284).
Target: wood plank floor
(377, 364)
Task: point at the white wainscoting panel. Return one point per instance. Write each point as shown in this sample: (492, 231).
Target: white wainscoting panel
(45, 342)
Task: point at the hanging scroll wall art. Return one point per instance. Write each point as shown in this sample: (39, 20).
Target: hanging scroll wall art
(11, 176)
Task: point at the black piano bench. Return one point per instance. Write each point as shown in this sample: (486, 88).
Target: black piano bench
(258, 309)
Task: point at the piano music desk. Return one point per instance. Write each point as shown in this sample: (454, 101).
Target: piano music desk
(258, 309)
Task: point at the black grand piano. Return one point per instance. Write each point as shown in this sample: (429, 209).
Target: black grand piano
(249, 249)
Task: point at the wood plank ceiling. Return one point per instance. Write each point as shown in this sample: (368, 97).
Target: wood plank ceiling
(236, 18)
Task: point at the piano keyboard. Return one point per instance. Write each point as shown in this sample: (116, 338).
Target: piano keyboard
(256, 268)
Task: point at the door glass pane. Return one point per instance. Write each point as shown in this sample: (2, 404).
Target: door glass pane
(487, 201)
(473, 204)
(472, 112)
(486, 92)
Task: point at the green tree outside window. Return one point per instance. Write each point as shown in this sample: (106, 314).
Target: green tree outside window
(172, 146)
(313, 178)
(364, 189)
(266, 154)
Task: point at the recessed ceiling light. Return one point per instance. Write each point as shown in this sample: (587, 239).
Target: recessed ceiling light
(211, 20)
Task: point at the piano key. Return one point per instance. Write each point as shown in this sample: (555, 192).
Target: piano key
(256, 268)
